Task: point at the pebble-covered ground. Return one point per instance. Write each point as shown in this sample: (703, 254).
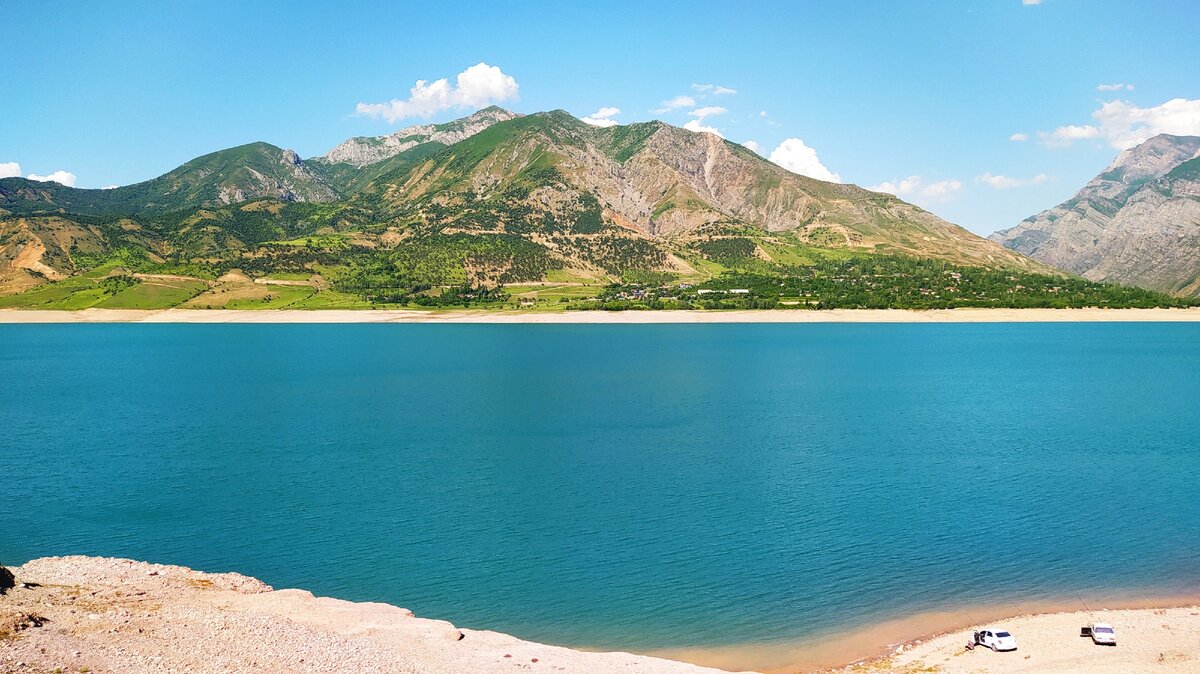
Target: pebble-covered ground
(85, 614)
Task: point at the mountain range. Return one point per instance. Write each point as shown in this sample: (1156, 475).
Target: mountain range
(1137, 223)
(497, 197)
(459, 210)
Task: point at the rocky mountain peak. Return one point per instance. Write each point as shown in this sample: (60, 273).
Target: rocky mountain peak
(1138, 222)
(1151, 159)
(364, 150)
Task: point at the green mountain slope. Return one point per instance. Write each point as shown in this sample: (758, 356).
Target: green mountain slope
(539, 206)
(545, 172)
(234, 175)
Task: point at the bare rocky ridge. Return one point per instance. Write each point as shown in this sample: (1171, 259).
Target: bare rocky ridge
(114, 616)
(365, 150)
(1136, 223)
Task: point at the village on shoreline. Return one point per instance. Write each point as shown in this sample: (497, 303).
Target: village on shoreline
(1088, 315)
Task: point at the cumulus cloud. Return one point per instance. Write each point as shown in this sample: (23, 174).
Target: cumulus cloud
(602, 117)
(1066, 135)
(796, 156)
(698, 127)
(1004, 182)
(476, 87)
(916, 186)
(1123, 125)
(62, 177)
(899, 188)
(676, 103)
(700, 114)
(1031, 2)
(941, 189)
(753, 146)
(1019, 137)
(707, 111)
(713, 90)
(12, 169)
(1119, 86)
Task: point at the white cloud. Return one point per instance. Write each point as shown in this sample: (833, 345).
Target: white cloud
(695, 125)
(1019, 137)
(698, 125)
(1065, 135)
(475, 87)
(941, 189)
(62, 177)
(713, 89)
(110, 187)
(1031, 2)
(1123, 125)
(901, 188)
(1005, 182)
(916, 186)
(602, 117)
(13, 170)
(676, 103)
(1114, 87)
(707, 111)
(753, 146)
(794, 155)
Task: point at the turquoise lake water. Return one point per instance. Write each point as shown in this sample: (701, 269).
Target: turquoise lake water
(617, 486)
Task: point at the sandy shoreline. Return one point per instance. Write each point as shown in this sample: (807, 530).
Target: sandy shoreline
(640, 317)
(112, 615)
(919, 641)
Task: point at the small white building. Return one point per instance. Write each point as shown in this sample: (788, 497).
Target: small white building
(739, 291)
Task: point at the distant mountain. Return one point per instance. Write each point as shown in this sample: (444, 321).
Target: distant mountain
(254, 171)
(493, 198)
(1136, 223)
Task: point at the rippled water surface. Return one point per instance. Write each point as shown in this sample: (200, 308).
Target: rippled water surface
(617, 486)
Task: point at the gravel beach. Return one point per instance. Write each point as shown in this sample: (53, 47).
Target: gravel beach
(89, 614)
(119, 616)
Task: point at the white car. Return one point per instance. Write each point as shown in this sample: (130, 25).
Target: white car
(1103, 634)
(997, 640)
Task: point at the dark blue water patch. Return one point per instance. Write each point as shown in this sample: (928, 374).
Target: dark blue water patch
(616, 486)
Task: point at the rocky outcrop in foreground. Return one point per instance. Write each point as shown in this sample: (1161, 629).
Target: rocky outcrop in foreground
(7, 581)
(80, 614)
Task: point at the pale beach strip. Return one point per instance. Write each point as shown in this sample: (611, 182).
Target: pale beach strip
(1047, 636)
(113, 615)
(1089, 315)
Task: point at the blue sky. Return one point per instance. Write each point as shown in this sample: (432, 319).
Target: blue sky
(922, 98)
